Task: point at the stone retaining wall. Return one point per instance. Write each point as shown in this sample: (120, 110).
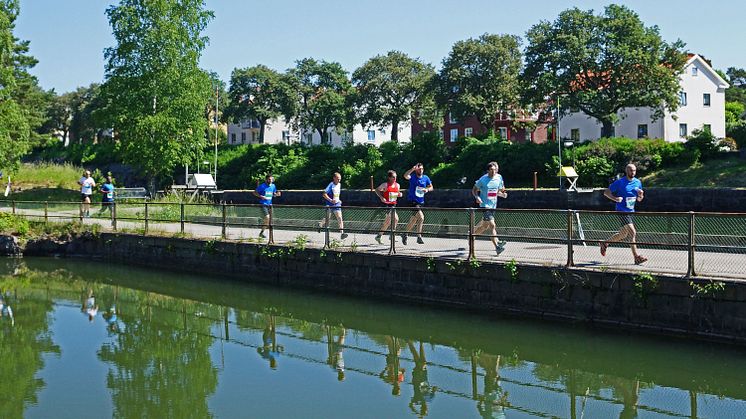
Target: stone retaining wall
(659, 304)
(656, 199)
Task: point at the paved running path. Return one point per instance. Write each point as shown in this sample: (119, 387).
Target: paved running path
(661, 261)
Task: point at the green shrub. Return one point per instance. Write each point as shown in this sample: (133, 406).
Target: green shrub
(704, 141)
(11, 224)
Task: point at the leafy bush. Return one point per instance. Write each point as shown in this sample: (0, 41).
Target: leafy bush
(704, 141)
(11, 224)
(727, 144)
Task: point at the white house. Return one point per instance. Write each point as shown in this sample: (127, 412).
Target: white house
(278, 131)
(702, 106)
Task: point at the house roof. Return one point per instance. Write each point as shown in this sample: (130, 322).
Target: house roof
(705, 65)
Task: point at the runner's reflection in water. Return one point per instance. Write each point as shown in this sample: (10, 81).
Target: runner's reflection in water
(494, 399)
(6, 312)
(422, 392)
(89, 307)
(393, 373)
(335, 359)
(270, 350)
(112, 320)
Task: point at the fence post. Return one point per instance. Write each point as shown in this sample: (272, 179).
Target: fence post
(327, 217)
(181, 217)
(472, 253)
(690, 253)
(271, 226)
(46, 212)
(224, 232)
(146, 218)
(114, 215)
(392, 229)
(570, 215)
(13, 205)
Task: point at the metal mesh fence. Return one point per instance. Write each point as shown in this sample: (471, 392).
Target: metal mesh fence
(707, 244)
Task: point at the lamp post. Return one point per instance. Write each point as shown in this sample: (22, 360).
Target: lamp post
(559, 140)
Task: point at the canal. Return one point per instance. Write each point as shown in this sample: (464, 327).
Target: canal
(83, 339)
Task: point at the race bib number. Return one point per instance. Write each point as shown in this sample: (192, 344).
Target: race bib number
(630, 202)
(268, 195)
(419, 192)
(492, 195)
(110, 195)
(393, 196)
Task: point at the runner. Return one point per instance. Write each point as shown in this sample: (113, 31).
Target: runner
(331, 199)
(419, 185)
(626, 192)
(86, 190)
(265, 192)
(486, 192)
(107, 196)
(388, 193)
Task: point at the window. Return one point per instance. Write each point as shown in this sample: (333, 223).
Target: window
(451, 119)
(528, 135)
(371, 135)
(286, 136)
(575, 134)
(468, 132)
(682, 98)
(503, 132)
(454, 134)
(707, 128)
(642, 131)
(695, 71)
(706, 99)
(233, 138)
(309, 139)
(254, 136)
(243, 137)
(683, 131)
(440, 134)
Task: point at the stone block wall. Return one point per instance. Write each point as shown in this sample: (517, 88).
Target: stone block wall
(660, 304)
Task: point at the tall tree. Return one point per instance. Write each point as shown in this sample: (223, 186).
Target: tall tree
(602, 64)
(480, 77)
(259, 93)
(322, 92)
(388, 88)
(737, 91)
(155, 92)
(15, 127)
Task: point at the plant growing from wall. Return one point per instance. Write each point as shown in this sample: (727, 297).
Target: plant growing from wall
(709, 288)
(511, 267)
(643, 284)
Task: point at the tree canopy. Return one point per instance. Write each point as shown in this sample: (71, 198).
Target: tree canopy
(260, 93)
(155, 92)
(602, 64)
(388, 88)
(480, 77)
(323, 91)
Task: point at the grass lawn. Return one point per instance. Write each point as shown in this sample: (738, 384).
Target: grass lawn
(45, 182)
(727, 172)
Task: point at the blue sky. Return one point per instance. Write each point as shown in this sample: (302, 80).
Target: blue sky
(69, 36)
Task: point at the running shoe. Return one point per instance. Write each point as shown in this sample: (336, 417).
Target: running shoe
(499, 249)
(261, 235)
(344, 236)
(404, 239)
(419, 240)
(639, 260)
(378, 239)
(604, 246)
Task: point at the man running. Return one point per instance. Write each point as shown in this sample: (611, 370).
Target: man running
(107, 196)
(486, 192)
(331, 199)
(265, 192)
(87, 184)
(388, 193)
(419, 185)
(626, 192)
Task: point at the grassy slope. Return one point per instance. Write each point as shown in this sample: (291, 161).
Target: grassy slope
(725, 173)
(45, 182)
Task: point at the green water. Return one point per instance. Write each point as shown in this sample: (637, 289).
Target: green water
(87, 340)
